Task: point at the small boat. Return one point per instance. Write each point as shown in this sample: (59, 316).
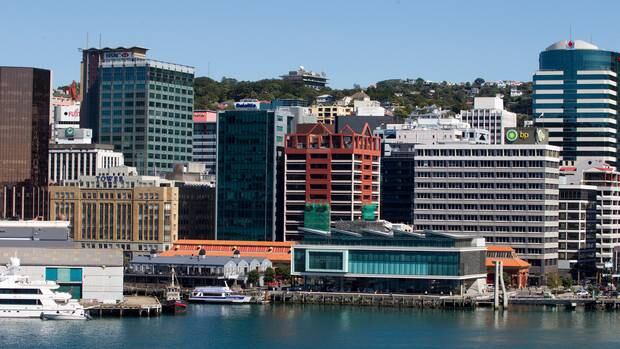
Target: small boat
(218, 294)
(173, 303)
(22, 298)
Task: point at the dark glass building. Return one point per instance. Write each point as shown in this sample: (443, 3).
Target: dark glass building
(575, 96)
(24, 140)
(196, 211)
(249, 152)
(398, 182)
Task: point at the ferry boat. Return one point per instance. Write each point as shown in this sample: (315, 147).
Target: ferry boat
(218, 294)
(22, 298)
(173, 303)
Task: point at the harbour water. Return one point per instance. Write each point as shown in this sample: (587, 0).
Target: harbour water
(289, 326)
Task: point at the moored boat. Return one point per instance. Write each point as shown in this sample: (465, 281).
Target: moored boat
(22, 298)
(173, 303)
(218, 294)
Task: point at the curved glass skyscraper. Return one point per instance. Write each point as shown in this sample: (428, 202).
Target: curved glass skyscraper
(575, 97)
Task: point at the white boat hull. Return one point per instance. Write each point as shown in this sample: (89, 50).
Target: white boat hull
(222, 300)
(41, 314)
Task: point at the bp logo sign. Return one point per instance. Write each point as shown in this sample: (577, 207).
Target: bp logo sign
(512, 135)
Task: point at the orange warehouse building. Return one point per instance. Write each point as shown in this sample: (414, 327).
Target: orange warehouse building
(516, 268)
(276, 252)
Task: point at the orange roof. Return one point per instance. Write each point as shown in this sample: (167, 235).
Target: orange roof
(276, 251)
(495, 248)
(508, 262)
(235, 243)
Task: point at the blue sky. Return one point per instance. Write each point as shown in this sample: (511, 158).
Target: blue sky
(354, 42)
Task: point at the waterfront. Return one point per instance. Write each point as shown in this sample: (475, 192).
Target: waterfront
(275, 326)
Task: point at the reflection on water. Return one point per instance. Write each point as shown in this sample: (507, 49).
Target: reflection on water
(275, 326)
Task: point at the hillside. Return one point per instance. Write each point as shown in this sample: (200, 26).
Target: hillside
(405, 94)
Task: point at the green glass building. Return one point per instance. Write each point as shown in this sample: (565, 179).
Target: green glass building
(367, 256)
(146, 110)
(249, 171)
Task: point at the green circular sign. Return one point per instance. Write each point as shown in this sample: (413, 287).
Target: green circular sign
(69, 132)
(512, 135)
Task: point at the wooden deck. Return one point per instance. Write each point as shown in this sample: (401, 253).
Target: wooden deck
(131, 306)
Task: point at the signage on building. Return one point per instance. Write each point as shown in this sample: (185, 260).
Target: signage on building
(110, 179)
(117, 55)
(69, 132)
(68, 113)
(526, 135)
(205, 116)
(253, 105)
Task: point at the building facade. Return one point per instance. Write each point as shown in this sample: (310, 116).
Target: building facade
(307, 78)
(575, 96)
(340, 170)
(25, 95)
(90, 78)
(577, 230)
(250, 157)
(67, 162)
(327, 113)
(205, 138)
(118, 209)
(373, 258)
(489, 114)
(507, 194)
(146, 112)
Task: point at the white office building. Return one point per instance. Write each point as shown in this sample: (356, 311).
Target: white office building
(505, 193)
(489, 114)
(67, 162)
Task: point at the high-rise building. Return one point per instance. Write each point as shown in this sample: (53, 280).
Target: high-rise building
(249, 202)
(143, 107)
(90, 80)
(506, 193)
(25, 95)
(205, 138)
(575, 97)
(489, 114)
(337, 170)
(398, 157)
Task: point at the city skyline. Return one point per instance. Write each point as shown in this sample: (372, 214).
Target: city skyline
(351, 42)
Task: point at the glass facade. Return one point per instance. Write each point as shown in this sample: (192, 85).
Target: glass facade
(575, 97)
(326, 261)
(247, 156)
(69, 280)
(146, 111)
(403, 263)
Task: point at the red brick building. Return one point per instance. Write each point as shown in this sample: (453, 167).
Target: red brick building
(339, 171)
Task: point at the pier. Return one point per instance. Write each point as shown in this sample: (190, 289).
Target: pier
(371, 299)
(140, 306)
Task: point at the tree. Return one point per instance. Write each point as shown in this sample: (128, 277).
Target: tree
(554, 281)
(479, 81)
(283, 272)
(253, 277)
(567, 281)
(269, 275)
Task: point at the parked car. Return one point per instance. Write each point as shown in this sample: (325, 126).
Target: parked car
(582, 294)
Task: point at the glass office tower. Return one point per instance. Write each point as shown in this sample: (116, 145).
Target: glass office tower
(575, 96)
(24, 140)
(146, 110)
(249, 154)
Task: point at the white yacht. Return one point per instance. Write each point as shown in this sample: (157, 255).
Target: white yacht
(22, 298)
(217, 294)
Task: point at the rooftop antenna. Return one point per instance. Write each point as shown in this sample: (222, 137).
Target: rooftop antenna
(87, 40)
(570, 29)
(99, 40)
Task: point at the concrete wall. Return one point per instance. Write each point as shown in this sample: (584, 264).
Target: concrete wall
(102, 284)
